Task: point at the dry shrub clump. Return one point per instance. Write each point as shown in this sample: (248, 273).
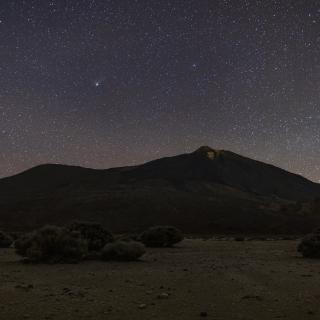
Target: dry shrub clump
(94, 233)
(123, 251)
(5, 240)
(309, 246)
(52, 244)
(161, 236)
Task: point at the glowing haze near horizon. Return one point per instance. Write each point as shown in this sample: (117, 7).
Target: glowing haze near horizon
(112, 83)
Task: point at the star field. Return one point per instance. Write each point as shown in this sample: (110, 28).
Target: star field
(103, 83)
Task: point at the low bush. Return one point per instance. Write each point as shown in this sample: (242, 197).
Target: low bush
(15, 235)
(5, 240)
(129, 237)
(161, 236)
(309, 246)
(52, 244)
(94, 233)
(239, 238)
(123, 251)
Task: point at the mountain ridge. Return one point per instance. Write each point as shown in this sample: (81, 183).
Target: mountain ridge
(202, 150)
(201, 191)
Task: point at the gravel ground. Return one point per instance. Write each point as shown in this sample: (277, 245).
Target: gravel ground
(197, 279)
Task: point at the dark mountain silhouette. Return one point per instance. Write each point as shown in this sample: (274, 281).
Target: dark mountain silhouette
(203, 191)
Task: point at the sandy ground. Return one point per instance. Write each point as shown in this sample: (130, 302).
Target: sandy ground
(220, 279)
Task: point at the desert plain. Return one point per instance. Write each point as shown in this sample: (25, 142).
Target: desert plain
(214, 278)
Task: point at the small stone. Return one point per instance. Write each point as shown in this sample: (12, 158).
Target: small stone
(163, 295)
(142, 306)
(255, 297)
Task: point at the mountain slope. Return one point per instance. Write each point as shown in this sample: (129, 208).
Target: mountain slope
(206, 190)
(227, 168)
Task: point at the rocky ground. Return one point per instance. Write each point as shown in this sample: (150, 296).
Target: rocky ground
(197, 279)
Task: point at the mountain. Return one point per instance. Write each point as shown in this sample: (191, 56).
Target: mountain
(207, 190)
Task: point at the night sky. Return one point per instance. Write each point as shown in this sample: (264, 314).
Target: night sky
(101, 83)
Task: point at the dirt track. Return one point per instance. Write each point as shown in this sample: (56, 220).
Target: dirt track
(220, 279)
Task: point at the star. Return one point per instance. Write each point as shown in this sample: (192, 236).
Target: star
(145, 79)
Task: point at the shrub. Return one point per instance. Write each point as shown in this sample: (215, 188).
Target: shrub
(15, 235)
(161, 236)
(5, 240)
(309, 246)
(52, 244)
(129, 237)
(94, 233)
(123, 251)
(239, 238)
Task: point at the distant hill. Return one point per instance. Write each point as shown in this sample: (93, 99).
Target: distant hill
(204, 191)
